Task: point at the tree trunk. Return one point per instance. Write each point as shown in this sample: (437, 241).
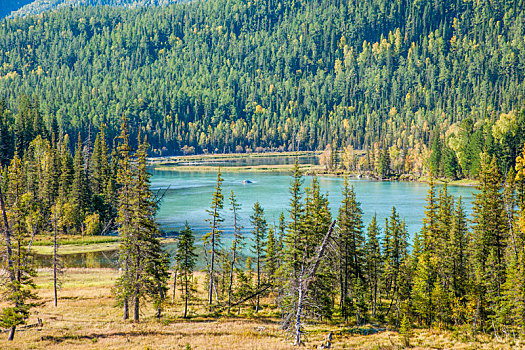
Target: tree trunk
(174, 285)
(212, 266)
(300, 298)
(11, 333)
(126, 303)
(126, 309)
(258, 281)
(136, 314)
(304, 279)
(231, 277)
(159, 307)
(186, 296)
(55, 261)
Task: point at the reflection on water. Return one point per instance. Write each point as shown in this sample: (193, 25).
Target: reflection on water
(250, 161)
(89, 259)
(109, 259)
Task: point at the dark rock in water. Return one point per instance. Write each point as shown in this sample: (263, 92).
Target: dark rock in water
(247, 181)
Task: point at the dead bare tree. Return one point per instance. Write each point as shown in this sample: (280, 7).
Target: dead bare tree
(293, 320)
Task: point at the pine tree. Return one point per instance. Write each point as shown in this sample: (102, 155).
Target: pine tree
(259, 233)
(281, 236)
(351, 250)
(488, 244)
(405, 330)
(20, 270)
(124, 179)
(293, 250)
(66, 169)
(149, 250)
(100, 175)
(513, 308)
(425, 269)
(185, 259)
(315, 223)
(146, 265)
(237, 243)
(212, 240)
(436, 156)
(396, 266)
(80, 197)
(459, 254)
(272, 255)
(373, 263)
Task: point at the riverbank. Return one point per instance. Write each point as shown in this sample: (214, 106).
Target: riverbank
(86, 317)
(238, 162)
(79, 245)
(307, 169)
(212, 162)
(224, 157)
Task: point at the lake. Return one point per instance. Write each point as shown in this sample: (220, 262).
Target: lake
(189, 195)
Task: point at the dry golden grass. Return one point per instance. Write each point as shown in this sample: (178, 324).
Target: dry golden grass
(86, 318)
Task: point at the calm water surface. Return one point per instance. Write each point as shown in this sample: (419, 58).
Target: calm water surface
(189, 195)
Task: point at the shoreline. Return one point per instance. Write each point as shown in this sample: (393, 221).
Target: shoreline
(95, 244)
(86, 247)
(183, 164)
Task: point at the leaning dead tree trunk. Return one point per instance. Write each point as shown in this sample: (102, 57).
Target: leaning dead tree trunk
(174, 285)
(10, 270)
(305, 278)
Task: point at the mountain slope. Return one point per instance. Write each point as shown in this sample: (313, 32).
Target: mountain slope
(39, 6)
(231, 75)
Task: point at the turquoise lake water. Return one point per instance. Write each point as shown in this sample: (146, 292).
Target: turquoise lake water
(189, 195)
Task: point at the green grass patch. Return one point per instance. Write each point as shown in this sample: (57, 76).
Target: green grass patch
(77, 240)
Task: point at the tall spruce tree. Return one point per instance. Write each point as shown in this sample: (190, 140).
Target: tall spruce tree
(185, 259)
(460, 257)
(425, 269)
(490, 232)
(316, 220)
(237, 242)
(293, 249)
(146, 265)
(514, 287)
(259, 233)
(351, 251)
(212, 240)
(80, 197)
(272, 254)
(125, 213)
(395, 245)
(373, 265)
(20, 270)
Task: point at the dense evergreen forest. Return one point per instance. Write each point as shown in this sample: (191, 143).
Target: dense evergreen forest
(232, 76)
(36, 7)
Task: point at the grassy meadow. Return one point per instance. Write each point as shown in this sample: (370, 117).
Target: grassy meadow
(86, 318)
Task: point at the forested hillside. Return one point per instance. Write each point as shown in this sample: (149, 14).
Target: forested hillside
(37, 7)
(230, 75)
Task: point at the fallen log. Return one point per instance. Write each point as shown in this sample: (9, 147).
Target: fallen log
(39, 324)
